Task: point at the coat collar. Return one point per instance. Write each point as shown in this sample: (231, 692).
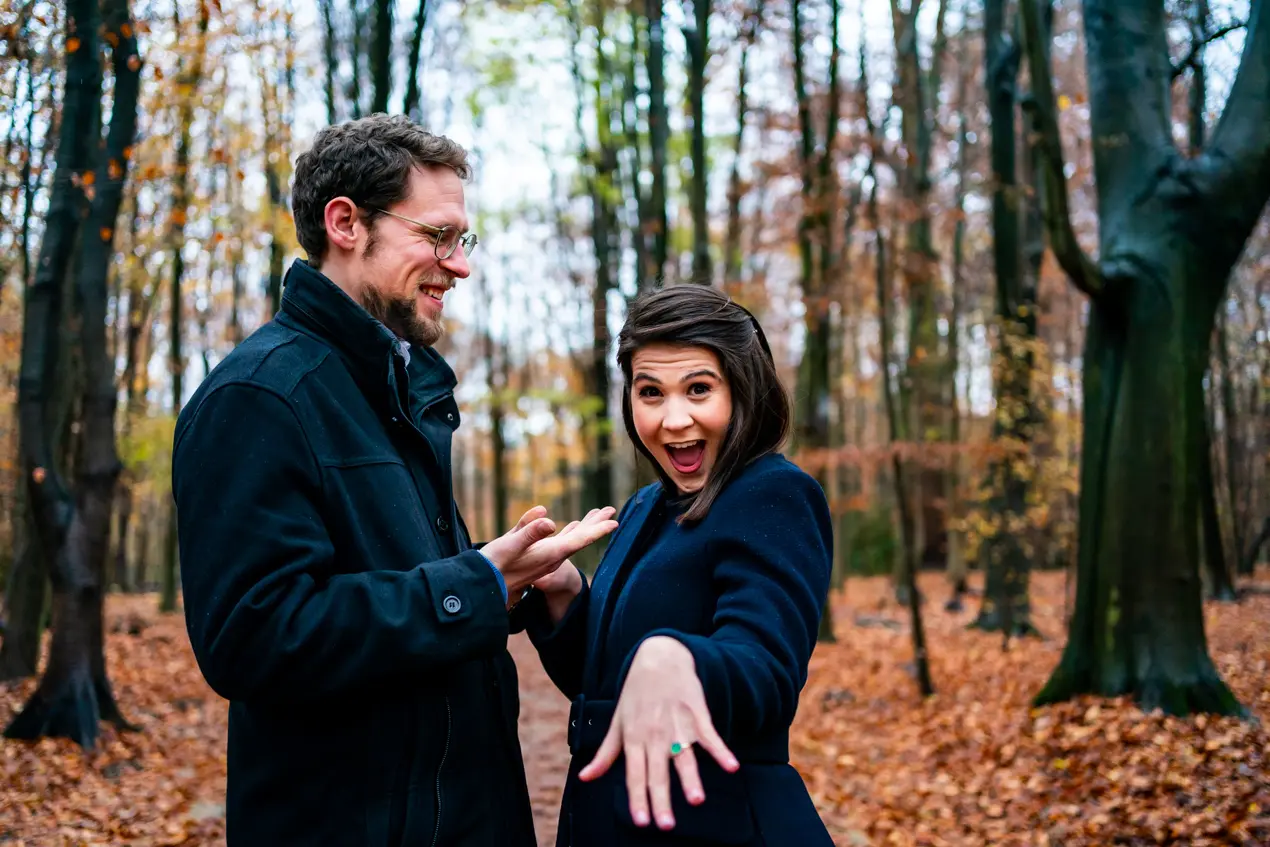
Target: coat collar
(622, 553)
(321, 308)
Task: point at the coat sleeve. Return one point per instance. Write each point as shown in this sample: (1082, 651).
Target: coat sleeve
(270, 613)
(773, 554)
(562, 646)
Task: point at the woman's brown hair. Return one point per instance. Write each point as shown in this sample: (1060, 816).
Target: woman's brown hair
(699, 316)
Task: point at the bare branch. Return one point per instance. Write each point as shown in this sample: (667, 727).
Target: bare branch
(1198, 46)
(1079, 267)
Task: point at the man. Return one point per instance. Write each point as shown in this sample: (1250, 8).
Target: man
(332, 593)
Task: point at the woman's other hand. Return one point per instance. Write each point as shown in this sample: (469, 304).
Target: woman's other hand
(661, 713)
(559, 588)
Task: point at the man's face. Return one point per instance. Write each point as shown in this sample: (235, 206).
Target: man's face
(401, 280)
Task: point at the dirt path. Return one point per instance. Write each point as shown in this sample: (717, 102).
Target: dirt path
(544, 713)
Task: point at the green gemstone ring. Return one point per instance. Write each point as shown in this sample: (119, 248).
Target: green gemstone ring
(676, 749)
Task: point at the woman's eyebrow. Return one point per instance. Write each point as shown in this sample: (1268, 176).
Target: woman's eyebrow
(647, 377)
(696, 374)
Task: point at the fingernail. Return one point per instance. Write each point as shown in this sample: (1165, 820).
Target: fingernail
(641, 819)
(695, 798)
(666, 822)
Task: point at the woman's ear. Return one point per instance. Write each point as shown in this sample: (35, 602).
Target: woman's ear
(342, 222)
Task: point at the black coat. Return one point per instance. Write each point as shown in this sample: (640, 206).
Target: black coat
(743, 589)
(332, 595)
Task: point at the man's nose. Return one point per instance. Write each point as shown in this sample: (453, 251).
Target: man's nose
(457, 265)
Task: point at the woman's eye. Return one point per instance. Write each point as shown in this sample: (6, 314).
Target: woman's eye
(699, 389)
(649, 391)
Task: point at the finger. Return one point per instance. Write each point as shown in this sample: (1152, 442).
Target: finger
(569, 528)
(709, 738)
(538, 530)
(584, 535)
(603, 514)
(686, 760)
(659, 785)
(689, 777)
(637, 784)
(605, 756)
(532, 515)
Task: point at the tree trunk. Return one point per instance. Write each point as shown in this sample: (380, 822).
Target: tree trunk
(329, 41)
(411, 106)
(1221, 585)
(48, 501)
(25, 598)
(1138, 626)
(698, 40)
(381, 56)
(732, 257)
(1234, 456)
(1005, 607)
(602, 168)
(957, 567)
(908, 547)
(922, 388)
(1171, 228)
(192, 79)
(657, 224)
(74, 692)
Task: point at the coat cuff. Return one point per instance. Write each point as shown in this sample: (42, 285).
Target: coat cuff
(463, 589)
(502, 583)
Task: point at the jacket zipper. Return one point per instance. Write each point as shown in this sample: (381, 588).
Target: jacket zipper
(436, 832)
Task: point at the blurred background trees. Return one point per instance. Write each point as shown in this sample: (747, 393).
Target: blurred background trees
(1015, 269)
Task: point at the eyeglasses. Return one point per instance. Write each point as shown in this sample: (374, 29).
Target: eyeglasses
(446, 239)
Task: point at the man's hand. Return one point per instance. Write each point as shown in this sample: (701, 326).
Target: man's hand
(529, 551)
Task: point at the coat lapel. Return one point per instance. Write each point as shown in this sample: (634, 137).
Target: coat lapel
(620, 557)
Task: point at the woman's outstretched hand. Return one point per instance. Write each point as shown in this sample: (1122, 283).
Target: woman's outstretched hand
(661, 714)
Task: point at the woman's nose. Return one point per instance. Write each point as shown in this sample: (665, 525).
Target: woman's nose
(677, 417)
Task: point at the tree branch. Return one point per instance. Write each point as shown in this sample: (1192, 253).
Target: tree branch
(1240, 148)
(1129, 101)
(1198, 46)
(1043, 110)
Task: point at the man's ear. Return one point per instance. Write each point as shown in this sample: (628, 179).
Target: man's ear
(342, 223)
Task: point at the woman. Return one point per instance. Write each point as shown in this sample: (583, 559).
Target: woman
(704, 611)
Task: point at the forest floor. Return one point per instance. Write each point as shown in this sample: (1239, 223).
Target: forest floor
(973, 765)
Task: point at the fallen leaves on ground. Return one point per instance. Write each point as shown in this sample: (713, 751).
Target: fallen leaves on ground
(976, 765)
(973, 765)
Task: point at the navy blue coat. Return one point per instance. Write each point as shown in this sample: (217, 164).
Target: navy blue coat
(743, 589)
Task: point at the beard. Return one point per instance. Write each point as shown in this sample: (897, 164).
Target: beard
(402, 317)
(400, 314)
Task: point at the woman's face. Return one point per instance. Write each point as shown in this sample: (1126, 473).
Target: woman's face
(681, 405)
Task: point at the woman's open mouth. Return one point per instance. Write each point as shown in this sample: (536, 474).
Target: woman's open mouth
(687, 457)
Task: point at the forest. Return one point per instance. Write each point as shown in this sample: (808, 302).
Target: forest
(1013, 259)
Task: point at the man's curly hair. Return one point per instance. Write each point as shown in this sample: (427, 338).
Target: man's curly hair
(368, 161)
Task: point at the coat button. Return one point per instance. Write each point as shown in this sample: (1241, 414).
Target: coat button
(452, 604)
(449, 416)
(443, 525)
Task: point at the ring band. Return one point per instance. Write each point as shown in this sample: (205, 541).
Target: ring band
(676, 749)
